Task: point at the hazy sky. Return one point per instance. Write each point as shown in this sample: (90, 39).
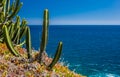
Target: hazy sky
(72, 12)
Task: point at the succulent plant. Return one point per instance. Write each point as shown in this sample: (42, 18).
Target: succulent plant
(44, 40)
(7, 13)
(12, 32)
(44, 37)
(57, 56)
(28, 43)
(9, 42)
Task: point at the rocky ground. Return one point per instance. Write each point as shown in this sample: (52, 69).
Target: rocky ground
(11, 66)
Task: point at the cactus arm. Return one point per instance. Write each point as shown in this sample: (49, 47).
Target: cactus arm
(44, 32)
(17, 23)
(2, 17)
(4, 6)
(24, 23)
(23, 32)
(12, 7)
(16, 38)
(44, 37)
(9, 42)
(21, 44)
(28, 43)
(16, 10)
(57, 56)
(15, 28)
(11, 30)
(7, 5)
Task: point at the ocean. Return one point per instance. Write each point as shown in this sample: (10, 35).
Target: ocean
(89, 50)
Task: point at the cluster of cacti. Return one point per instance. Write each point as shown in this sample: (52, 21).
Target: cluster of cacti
(11, 32)
(7, 14)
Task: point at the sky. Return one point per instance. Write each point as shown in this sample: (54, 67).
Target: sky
(72, 12)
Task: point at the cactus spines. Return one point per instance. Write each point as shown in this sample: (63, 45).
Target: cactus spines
(44, 38)
(28, 43)
(57, 56)
(9, 42)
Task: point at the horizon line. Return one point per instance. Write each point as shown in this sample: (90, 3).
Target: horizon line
(79, 24)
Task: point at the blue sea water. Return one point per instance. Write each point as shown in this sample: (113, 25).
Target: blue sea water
(93, 51)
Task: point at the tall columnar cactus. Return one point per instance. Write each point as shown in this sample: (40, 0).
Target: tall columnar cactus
(44, 38)
(57, 56)
(28, 43)
(9, 42)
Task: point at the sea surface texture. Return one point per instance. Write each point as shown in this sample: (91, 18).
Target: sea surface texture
(93, 51)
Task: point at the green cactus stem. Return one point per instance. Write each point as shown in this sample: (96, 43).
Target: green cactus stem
(17, 36)
(56, 57)
(4, 6)
(23, 31)
(11, 31)
(9, 42)
(7, 7)
(44, 38)
(17, 23)
(2, 17)
(28, 43)
(22, 43)
(18, 5)
(24, 23)
(12, 7)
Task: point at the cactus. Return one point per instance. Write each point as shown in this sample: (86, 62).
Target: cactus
(44, 42)
(17, 36)
(23, 31)
(7, 13)
(7, 7)
(9, 42)
(44, 38)
(11, 29)
(18, 5)
(11, 32)
(22, 43)
(57, 56)
(28, 43)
